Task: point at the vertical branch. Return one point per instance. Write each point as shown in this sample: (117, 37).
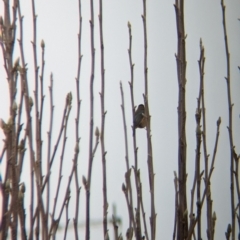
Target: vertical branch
(142, 207)
(176, 205)
(103, 112)
(67, 219)
(41, 86)
(37, 115)
(230, 126)
(128, 187)
(49, 149)
(75, 220)
(198, 115)
(68, 106)
(182, 222)
(22, 211)
(91, 21)
(38, 165)
(149, 140)
(8, 30)
(135, 168)
(200, 203)
(201, 63)
(28, 106)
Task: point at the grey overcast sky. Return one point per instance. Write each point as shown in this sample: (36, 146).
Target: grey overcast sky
(57, 24)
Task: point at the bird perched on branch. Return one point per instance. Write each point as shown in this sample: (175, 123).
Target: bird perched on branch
(139, 120)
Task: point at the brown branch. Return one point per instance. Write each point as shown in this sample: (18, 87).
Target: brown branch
(67, 219)
(55, 221)
(149, 140)
(230, 126)
(142, 207)
(49, 148)
(8, 30)
(69, 104)
(55, 147)
(103, 113)
(176, 205)
(90, 157)
(128, 180)
(201, 63)
(182, 227)
(137, 229)
(77, 120)
(21, 211)
(207, 182)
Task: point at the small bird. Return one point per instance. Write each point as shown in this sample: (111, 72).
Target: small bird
(139, 120)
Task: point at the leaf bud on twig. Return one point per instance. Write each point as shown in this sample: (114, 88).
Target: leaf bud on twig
(185, 213)
(42, 44)
(129, 233)
(76, 148)
(30, 100)
(69, 98)
(7, 186)
(219, 121)
(84, 180)
(97, 132)
(23, 188)
(124, 189)
(3, 126)
(14, 107)
(214, 216)
(21, 145)
(1, 21)
(120, 237)
(10, 122)
(106, 237)
(198, 130)
(16, 64)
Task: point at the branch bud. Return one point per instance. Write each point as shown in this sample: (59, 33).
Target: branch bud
(42, 44)
(124, 189)
(14, 107)
(30, 101)
(69, 98)
(97, 132)
(1, 21)
(219, 121)
(84, 180)
(76, 148)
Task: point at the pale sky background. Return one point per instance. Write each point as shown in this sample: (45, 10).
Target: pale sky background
(57, 24)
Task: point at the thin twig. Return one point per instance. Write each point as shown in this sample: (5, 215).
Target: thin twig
(103, 113)
(49, 147)
(137, 228)
(90, 157)
(230, 126)
(77, 120)
(191, 229)
(149, 136)
(68, 102)
(182, 227)
(128, 180)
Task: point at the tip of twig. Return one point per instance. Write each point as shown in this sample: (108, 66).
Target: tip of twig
(42, 44)
(97, 133)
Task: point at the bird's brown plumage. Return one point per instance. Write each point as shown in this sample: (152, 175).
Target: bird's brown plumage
(139, 120)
